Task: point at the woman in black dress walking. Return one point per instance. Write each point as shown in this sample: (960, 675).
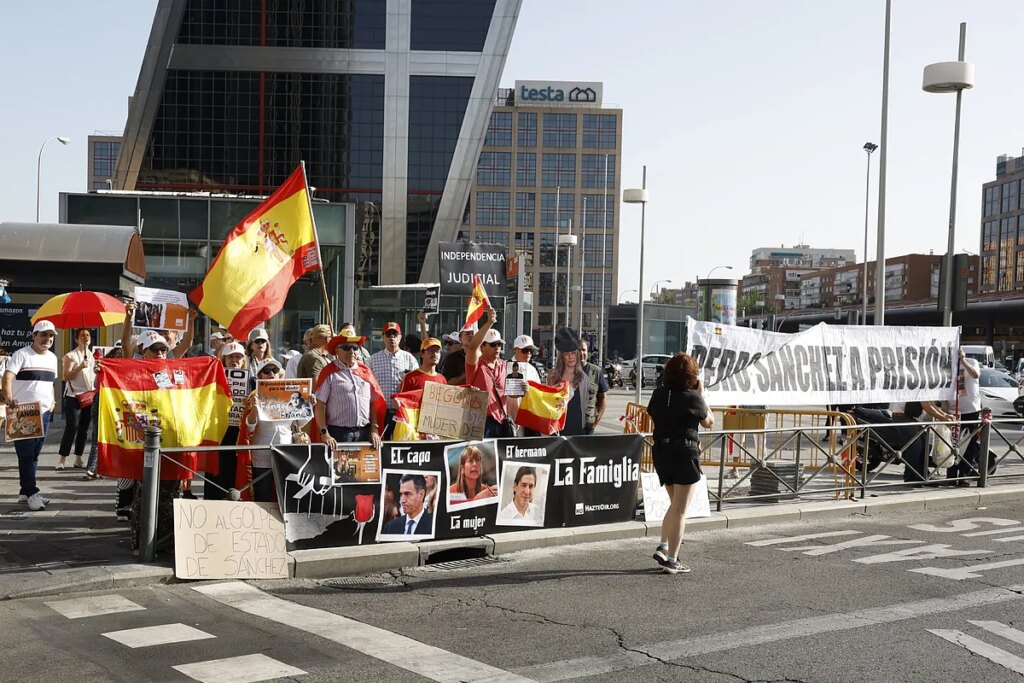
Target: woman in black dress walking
(677, 409)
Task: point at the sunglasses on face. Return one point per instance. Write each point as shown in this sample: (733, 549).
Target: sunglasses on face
(391, 335)
(349, 347)
(158, 349)
(259, 341)
(431, 349)
(494, 345)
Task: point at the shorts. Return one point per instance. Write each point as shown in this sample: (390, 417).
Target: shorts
(676, 464)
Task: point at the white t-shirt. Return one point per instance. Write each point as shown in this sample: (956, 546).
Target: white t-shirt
(85, 380)
(527, 369)
(34, 375)
(968, 387)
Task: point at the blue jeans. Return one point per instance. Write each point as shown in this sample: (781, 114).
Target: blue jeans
(349, 434)
(28, 451)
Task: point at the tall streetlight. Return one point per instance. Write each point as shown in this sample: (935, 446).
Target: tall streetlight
(654, 288)
(604, 253)
(944, 77)
(639, 196)
(869, 147)
(716, 268)
(39, 168)
(623, 295)
(884, 144)
(554, 300)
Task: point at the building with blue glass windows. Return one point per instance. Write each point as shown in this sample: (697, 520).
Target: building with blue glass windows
(387, 102)
(549, 167)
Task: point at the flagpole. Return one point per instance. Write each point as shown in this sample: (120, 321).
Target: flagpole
(319, 258)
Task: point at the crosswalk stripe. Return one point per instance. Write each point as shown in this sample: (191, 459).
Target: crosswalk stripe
(157, 635)
(244, 669)
(1001, 630)
(406, 653)
(982, 649)
(93, 606)
(804, 537)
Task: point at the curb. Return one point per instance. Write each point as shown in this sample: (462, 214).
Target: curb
(351, 560)
(125, 576)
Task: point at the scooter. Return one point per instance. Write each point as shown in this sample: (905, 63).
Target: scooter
(613, 373)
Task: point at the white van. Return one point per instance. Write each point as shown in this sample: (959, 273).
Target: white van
(983, 354)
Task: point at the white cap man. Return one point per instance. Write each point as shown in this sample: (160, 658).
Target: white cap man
(28, 378)
(523, 349)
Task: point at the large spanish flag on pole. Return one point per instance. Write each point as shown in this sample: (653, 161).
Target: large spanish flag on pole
(261, 258)
(187, 398)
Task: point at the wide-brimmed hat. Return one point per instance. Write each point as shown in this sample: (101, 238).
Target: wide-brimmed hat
(567, 340)
(338, 340)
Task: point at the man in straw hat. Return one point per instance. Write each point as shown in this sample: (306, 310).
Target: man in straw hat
(350, 404)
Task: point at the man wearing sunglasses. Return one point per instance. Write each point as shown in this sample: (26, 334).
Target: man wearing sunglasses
(486, 371)
(28, 378)
(350, 404)
(389, 366)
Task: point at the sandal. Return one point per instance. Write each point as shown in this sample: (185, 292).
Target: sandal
(89, 476)
(79, 464)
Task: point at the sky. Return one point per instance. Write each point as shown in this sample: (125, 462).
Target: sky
(750, 115)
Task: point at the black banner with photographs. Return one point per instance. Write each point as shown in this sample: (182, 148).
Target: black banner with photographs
(429, 490)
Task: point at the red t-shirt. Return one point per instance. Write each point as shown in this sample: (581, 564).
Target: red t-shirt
(417, 378)
(491, 381)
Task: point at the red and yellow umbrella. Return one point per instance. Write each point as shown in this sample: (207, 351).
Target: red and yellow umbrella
(81, 309)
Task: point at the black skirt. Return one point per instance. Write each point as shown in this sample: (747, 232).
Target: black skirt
(676, 461)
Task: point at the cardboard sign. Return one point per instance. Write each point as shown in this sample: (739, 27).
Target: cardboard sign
(280, 400)
(238, 380)
(222, 539)
(24, 421)
(452, 412)
(160, 309)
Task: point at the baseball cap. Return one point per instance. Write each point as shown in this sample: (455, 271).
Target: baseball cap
(428, 342)
(216, 335)
(232, 348)
(472, 328)
(150, 338)
(44, 326)
(391, 326)
(524, 341)
(268, 363)
(453, 337)
(258, 333)
(493, 336)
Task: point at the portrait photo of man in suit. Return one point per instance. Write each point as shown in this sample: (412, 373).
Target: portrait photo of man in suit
(415, 522)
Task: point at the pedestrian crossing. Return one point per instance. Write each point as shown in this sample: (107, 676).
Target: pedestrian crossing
(241, 669)
(982, 648)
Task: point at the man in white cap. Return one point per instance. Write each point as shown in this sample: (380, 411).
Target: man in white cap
(28, 378)
(486, 371)
(520, 367)
(216, 342)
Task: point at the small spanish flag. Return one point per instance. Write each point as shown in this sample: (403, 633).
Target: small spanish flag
(407, 416)
(261, 259)
(187, 398)
(542, 409)
(478, 303)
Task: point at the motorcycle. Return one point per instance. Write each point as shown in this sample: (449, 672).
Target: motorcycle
(613, 373)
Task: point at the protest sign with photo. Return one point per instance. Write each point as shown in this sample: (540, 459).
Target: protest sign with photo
(160, 309)
(238, 383)
(575, 481)
(24, 421)
(460, 261)
(824, 365)
(221, 539)
(432, 300)
(354, 464)
(452, 412)
(278, 400)
(472, 474)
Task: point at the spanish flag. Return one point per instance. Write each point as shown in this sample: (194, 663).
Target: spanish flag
(478, 303)
(187, 398)
(542, 409)
(261, 258)
(407, 416)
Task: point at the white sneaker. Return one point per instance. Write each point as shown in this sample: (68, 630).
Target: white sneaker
(23, 498)
(36, 502)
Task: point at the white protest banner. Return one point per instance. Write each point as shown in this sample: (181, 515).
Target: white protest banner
(824, 365)
(452, 412)
(238, 381)
(223, 539)
(160, 309)
(278, 400)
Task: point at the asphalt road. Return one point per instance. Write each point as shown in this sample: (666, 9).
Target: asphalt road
(900, 596)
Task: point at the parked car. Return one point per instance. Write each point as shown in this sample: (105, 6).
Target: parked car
(983, 354)
(652, 363)
(999, 392)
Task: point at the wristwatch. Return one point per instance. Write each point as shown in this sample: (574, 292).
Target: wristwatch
(323, 432)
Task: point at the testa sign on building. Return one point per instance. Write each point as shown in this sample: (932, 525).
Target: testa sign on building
(559, 93)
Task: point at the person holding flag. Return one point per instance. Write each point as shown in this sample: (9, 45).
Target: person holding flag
(486, 371)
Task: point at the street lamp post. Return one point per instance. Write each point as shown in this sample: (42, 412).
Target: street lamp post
(944, 77)
(623, 295)
(604, 246)
(869, 147)
(634, 196)
(884, 144)
(554, 300)
(654, 289)
(39, 168)
(716, 268)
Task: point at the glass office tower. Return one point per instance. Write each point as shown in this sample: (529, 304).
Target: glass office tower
(387, 102)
